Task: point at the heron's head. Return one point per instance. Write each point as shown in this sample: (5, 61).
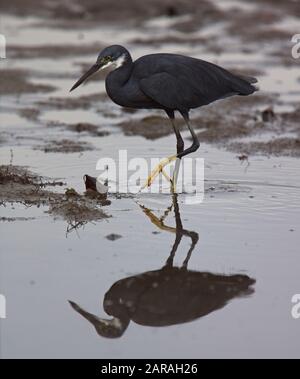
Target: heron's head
(114, 55)
(113, 328)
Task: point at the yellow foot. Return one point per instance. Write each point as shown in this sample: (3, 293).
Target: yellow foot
(160, 169)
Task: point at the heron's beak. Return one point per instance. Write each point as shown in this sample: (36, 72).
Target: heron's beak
(84, 77)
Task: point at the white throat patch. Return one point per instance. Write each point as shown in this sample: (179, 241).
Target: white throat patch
(120, 61)
(117, 63)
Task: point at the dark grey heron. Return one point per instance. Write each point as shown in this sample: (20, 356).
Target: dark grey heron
(170, 82)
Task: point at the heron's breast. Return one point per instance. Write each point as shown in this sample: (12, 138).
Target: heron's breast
(128, 95)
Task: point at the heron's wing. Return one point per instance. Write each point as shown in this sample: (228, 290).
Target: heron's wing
(185, 83)
(167, 90)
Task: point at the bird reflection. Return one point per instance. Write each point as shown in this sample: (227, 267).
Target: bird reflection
(170, 295)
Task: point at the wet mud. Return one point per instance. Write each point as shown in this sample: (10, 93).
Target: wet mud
(18, 185)
(65, 146)
(16, 82)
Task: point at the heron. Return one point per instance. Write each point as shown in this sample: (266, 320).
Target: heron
(169, 82)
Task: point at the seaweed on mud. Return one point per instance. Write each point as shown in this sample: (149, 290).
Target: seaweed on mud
(18, 185)
(76, 209)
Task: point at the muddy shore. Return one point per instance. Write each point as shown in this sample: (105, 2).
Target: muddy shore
(18, 185)
(221, 124)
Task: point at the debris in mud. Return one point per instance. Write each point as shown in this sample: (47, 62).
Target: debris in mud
(76, 209)
(102, 199)
(71, 192)
(96, 190)
(243, 157)
(19, 175)
(65, 146)
(14, 81)
(113, 237)
(19, 185)
(268, 115)
(92, 184)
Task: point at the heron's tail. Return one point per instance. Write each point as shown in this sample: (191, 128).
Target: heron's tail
(243, 85)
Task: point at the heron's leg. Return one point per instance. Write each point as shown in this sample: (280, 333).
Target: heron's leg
(195, 238)
(194, 147)
(195, 144)
(159, 168)
(180, 148)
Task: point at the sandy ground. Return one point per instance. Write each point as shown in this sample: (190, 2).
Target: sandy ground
(79, 247)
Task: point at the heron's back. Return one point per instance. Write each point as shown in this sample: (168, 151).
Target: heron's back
(199, 82)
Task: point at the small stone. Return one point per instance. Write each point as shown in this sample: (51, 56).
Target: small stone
(113, 237)
(268, 115)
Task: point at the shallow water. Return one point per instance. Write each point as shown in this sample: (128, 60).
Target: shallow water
(248, 225)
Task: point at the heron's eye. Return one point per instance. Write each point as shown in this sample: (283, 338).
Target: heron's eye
(106, 59)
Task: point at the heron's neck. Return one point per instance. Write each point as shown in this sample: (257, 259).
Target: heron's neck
(119, 76)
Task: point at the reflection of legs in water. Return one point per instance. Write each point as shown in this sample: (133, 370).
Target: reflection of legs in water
(178, 230)
(167, 296)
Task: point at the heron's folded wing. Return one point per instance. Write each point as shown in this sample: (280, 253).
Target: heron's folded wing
(190, 83)
(166, 90)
